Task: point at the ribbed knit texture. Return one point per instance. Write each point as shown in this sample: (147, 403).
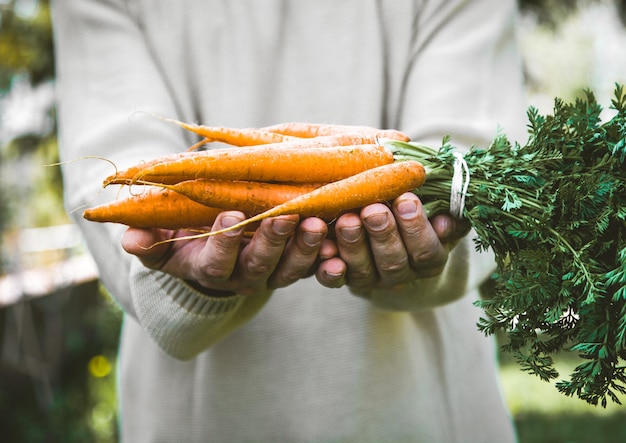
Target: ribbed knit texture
(184, 321)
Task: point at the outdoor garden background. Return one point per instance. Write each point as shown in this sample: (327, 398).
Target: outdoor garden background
(59, 328)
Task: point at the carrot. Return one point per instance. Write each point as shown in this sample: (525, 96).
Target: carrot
(244, 196)
(307, 130)
(314, 165)
(379, 184)
(198, 145)
(330, 141)
(279, 132)
(339, 139)
(125, 176)
(154, 208)
(231, 136)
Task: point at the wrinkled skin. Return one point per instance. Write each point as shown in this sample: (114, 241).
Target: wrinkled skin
(380, 247)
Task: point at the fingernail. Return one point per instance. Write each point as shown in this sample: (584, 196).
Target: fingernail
(407, 209)
(283, 227)
(229, 221)
(351, 234)
(312, 239)
(333, 275)
(444, 226)
(376, 221)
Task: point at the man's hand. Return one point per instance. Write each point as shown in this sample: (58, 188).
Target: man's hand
(280, 252)
(384, 247)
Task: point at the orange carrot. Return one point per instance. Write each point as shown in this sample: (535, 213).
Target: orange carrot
(328, 141)
(245, 196)
(154, 208)
(231, 136)
(342, 139)
(379, 184)
(198, 145)
(126, 176)
(279, 132)
(306, 130)
(313, 165)
(339, 139)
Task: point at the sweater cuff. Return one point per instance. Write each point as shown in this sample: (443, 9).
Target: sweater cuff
(180, 319)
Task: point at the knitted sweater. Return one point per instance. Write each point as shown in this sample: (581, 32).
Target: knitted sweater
(304, 363)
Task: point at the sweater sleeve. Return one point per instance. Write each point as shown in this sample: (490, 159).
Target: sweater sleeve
(183, 321)
(463, 78)
(105, 74)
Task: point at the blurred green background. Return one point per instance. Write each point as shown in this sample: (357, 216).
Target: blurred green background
(59, 328)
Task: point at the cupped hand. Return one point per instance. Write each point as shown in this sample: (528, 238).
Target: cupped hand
(389, 247)
(280, 252)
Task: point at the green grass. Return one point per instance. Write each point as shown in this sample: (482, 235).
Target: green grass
(543, 415)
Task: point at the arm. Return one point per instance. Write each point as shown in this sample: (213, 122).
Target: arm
(463, 79)
(105, 74)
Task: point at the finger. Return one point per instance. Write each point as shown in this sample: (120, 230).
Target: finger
(426, 254)
(328, 249)
(387, 246)
(354, 251)
(449, 229)
(260, 257)
(143, 243)
(214, 264)
(301, 253)
(331, 273)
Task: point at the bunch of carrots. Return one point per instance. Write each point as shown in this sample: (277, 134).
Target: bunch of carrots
(292, 168)
(552, 210)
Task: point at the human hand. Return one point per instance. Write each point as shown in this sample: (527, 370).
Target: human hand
(280, 252)
(384, 247)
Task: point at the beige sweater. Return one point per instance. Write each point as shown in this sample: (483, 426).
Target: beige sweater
(304, 364)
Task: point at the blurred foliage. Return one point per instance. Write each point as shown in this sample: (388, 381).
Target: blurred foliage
(58, 368)
(543, 415)
(54, 349)
(26, 63)
(570, 428)
(552, 12)
(25, 41)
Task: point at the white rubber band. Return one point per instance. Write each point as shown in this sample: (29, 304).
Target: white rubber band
(459, 186)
